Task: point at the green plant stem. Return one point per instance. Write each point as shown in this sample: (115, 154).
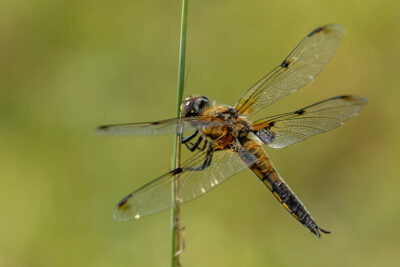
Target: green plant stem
(175, 214)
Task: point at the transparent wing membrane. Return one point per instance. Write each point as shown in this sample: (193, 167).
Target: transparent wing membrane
(161, 127)
(194, 180)
(303, 64)
(223, 142)
(289, 128)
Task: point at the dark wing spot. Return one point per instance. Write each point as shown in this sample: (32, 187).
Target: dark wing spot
(176, 171)
(272, 123)
(124, 200)
(300, 111)
(326, 30)
(103, 128)
(285, 64)
(317, 30)
(155, 123)
(346, 97)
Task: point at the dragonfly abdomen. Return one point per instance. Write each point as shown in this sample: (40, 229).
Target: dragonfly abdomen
(267, 174)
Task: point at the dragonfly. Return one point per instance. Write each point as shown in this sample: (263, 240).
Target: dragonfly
(223, 141)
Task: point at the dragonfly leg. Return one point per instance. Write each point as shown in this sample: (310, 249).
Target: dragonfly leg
(192, 146)
(204, 145)
(206, 163)
(184, 140)
(195, 145)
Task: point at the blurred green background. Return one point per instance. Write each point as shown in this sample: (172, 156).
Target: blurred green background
(69, 66)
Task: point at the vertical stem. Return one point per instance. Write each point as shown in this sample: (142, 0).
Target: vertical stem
(175, 219)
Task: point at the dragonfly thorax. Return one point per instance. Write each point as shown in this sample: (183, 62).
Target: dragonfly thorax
(226, 113)
(234, 128)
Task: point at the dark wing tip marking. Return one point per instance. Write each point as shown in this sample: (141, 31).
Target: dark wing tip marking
(325, 29)
(124, 201)
(345, 97)
(317, 30)
(285, 64)
(300, 111)
(102, 128)
(359, 100)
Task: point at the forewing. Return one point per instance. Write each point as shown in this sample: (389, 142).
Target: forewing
(303, 64)
(161, 127)
(156, 195)
(286, 129)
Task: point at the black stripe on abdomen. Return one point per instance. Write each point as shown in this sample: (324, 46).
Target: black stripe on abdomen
(289, 200)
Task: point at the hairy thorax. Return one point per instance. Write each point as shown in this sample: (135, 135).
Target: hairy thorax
(223, 135)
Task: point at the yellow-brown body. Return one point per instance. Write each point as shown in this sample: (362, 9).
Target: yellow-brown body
(222, 136)
(267, 174)
(239, 129)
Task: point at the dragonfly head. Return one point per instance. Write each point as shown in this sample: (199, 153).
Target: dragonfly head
(194, 105)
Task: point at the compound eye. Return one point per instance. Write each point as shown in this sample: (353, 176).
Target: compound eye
(205, 99)
(187, 107)
(203, 102)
